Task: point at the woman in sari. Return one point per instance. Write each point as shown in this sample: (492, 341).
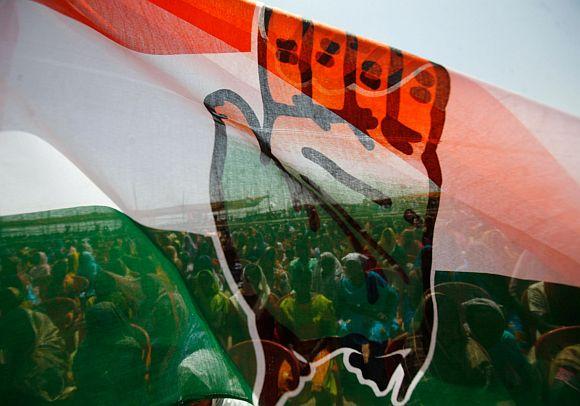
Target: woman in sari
(327, 276)
(215, 305)
(257, 294)
(307, 320)
(109, 368)
(269, 266)
(41, 268)
(367, 308)
(34, 360)
(366, 303)
(163, 313)
(88, 267)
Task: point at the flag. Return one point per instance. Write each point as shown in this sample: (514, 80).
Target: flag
(222, 200)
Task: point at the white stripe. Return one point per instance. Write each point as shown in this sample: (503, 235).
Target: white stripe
(36, 177)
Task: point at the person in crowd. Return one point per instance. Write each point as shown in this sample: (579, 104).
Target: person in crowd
(389, 242)
(187, 263)
(553, 305)
(461, 369)
(267, 263)
(458, 357)
(39, 275)
(109, 367)
(410, 244)
(367, 305)
(215, 305)
(415, 226)
(172, 254)
(327, 276)
(564, 377)
(163, 314)
(302, 261)
(41, 268)
(56, 287)
(413, 291)
(526, 263)
(367, 308)
(106, 290)
(309, 315)
(256, 246)
(73, 258)
(487, 325)
(190, 245)
(10, 275)
(257, 294)
(306, 320)
(34, 365)
(88, 267)
(117, 265)
(202, 262)
(86, 246)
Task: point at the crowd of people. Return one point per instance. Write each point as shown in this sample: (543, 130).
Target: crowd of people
(76, 305)
(89, 316)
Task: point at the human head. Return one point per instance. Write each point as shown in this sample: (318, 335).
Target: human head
(206, 283)
(354, 266)
(388, 239)
(302, 249)
(104, 322)
(39, 258)
(10, 299)
(202, 262)
(329, 263)
(485, 320)
(252, 276)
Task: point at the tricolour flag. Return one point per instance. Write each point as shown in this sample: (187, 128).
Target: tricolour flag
(215, 199)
